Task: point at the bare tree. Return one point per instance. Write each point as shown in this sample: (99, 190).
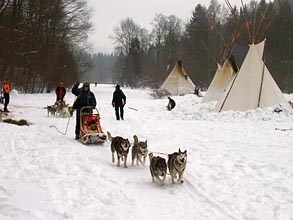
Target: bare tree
(40, 40)
(124, 34)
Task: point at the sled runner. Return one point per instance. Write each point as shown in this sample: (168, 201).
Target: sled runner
(90, 127)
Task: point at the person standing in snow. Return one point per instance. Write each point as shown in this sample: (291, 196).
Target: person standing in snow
(60, 92)
(118, 102)
(171, 104)
(84, 98)
(6, 91)
(197, 91)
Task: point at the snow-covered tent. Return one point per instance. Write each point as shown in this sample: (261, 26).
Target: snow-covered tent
(178, 82)
(252, 87)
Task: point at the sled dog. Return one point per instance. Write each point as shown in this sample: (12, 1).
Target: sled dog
(158, 168)
(176, 164)
(51, 110)
(61, 109)
(71, 110)
(63, 112)
(120, 146)
(139, 151)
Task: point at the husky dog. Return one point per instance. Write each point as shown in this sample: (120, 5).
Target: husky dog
(60, 109)
(121, 146)
(51, 110)
(63, 112)
(71, 110)
(176, 164)
(158, 168)
(139, 151)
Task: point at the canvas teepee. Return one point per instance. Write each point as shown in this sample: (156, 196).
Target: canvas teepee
(253, 86)
(221, 80)
(224, 75)
(226, 64)
(178, 82)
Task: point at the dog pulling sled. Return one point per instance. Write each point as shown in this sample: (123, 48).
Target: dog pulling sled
(90, 127)
(60, 110)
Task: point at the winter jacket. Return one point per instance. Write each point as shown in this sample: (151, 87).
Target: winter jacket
(60, 91)
(84, 98)
(171, 104)
(6, 87)
(119, 99)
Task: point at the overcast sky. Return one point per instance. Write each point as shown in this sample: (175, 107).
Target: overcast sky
(108, 13)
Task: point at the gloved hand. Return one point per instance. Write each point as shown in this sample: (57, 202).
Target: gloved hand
(77, 83)
(124, 103)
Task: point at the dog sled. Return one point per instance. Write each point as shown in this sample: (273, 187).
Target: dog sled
(60, 110)
(90, 127)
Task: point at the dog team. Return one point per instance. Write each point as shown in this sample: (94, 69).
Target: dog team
(60, 110)
(158, 167)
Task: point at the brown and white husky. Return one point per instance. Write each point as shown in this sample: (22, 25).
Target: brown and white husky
(121, 147)
(139, 151)
(177, 164)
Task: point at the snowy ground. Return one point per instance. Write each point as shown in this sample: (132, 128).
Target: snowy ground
(239, 167)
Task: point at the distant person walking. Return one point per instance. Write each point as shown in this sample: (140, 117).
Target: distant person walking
(60, 92)
(6, 91)
(118, 102)
(171, 104)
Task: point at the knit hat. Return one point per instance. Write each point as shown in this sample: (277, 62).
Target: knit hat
(86, 84)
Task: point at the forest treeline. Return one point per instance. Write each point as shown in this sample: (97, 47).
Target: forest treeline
(44, 42)
(145, 57)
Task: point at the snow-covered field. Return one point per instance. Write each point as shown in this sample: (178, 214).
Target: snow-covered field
(239, 167)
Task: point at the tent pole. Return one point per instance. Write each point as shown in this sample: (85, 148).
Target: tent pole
(228, 92)
(261, 83)
(209, 52)
(262, 77)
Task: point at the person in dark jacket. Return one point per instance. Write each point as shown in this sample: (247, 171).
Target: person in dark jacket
(60, 92)
(197, 91)
(84, 98)
(6, 91)
(171, 104)
(118, 102)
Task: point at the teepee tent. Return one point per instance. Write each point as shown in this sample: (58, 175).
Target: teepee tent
(260, 48)
(253, 86)
(226, 65)
(221, 80)
(224, 75)
(178, 82)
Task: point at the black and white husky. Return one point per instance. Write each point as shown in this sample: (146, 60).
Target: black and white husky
(139, 151)
(177, 164)
(121, 147)
(158, 168)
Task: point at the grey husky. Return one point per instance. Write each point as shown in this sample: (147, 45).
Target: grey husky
(120, 146)
(139, 151)
(51, 110)
(158, 168)
(177, 164)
